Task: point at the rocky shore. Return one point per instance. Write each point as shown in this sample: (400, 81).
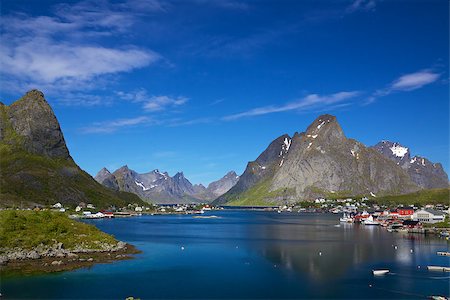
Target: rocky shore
(55, 258)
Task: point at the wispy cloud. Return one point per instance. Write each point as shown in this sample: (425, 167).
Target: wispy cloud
(226, 4)
(62, 52)
(361, 5)
(407, 82)
(177, 123)
(158, 103)
(309, 102)
(152, 103)
(414, 81)
(115, 125)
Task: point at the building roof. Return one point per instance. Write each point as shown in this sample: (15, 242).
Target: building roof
(433, 211)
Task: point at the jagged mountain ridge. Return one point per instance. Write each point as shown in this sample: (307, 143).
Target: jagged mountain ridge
(424, 173)
(35, 163)
(319, 162)
(160, 187)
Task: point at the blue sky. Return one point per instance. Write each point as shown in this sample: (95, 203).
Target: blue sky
(204, 86)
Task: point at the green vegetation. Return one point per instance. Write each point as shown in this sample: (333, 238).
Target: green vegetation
(28, 179)
(28, 229)
(419, 198)
(260, 195)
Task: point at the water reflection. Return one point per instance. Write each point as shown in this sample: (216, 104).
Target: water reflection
(316, 247)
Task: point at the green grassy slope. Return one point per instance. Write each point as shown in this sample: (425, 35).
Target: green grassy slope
(258, 195)
(27, 179)
(419, 198)
(28, 229)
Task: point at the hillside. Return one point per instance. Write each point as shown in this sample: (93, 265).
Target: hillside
(36, 166)
(323, 162)
(419, 198)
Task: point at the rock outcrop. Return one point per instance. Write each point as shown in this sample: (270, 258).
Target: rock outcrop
(36, 165)
(424, 173)
(319, 162)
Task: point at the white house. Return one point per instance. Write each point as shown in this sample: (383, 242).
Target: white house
(57, 205)
(428, 216)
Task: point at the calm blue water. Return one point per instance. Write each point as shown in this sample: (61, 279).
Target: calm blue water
(250, 254)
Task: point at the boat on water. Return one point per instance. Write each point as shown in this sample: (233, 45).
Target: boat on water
(437, 297)
(370, 221)
(442, 253)
(380, 272)
(438, 268)
(346, 218)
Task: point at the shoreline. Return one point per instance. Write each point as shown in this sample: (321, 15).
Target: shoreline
(26, 262)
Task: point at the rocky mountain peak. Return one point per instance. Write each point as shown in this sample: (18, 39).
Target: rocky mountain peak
(231, 174)
(394, 151)
(274, 151)
(179, 175)
(107, 179)
(34, 121)
(104, 171)
(326, 128)
(122, 169)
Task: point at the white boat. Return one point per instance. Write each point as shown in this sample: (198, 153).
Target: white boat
(346, 219)
(438, 268)
(380, 272)
(370, 221)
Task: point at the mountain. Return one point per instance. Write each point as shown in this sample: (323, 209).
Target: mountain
(107, 179)
(223, 185)
(159, 187)
(424, 173)
(319, 162)
(35, 163)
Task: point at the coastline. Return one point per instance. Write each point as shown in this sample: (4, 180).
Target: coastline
(42, 260)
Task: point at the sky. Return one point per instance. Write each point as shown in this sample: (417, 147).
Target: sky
(204, 86)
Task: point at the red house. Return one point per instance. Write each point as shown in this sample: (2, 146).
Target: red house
(405, 211)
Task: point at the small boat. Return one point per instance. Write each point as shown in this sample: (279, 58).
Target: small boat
(437, 297)
(346, 219)
(380, 272)
(438, 268)
(370, 221)
(442, 253)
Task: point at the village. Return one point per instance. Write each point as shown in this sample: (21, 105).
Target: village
(432, 219)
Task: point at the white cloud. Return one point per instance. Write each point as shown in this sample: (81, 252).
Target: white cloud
(311, 101)
(361, 5)
(157, 103)
(41, 60)
(414, 81)
(152, 103)
(62, 52)
(115, 125)
(408, 82)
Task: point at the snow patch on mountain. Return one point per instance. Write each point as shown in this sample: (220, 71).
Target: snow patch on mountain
(398, 150)
(141, 185)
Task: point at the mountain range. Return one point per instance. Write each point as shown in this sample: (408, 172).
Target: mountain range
(37, 168)
(323, 162)
(159, 187)
(35, 163)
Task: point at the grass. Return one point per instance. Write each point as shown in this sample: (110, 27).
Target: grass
(419, 198)
(28, 229)
(28, 179)
(259, 195)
